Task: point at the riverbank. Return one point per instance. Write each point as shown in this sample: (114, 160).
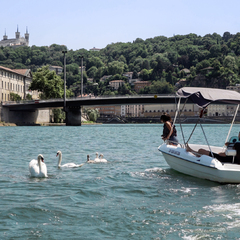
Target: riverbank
(187, 120)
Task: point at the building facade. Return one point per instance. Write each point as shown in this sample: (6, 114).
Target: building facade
(56, 69)
(123, 110)
(116, 84)
(141, 84)
(156, 110)
(221, 110)
(15, 42)
(15, 81)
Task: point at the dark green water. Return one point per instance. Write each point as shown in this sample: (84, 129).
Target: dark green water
(133, 196)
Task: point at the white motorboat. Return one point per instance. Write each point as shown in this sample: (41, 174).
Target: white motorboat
(185, 157)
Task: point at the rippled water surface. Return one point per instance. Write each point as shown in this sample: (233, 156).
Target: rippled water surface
(133, 196)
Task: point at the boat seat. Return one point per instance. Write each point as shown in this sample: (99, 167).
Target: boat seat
(231, 152)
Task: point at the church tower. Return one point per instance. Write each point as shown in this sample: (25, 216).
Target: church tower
(17, 34)
(27, 36)
(5, 36)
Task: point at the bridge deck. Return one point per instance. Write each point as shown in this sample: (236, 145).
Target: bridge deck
(91, 101)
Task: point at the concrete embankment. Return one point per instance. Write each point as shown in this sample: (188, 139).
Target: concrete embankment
(184, 120)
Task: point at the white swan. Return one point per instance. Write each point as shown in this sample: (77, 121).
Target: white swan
(97, 158)
(102, 159)
(38, 168)
(68, 165)
(89, 161)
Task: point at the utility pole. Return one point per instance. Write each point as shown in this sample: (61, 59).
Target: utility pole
(81, 76)
(64, 52)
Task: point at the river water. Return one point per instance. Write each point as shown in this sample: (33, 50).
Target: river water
(133, 196)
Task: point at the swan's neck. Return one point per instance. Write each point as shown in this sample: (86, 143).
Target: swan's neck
(59, 159)
(40, 165)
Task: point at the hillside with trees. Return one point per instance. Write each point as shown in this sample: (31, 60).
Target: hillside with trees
(209, 61)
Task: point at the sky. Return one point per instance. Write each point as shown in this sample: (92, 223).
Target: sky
(96, 23)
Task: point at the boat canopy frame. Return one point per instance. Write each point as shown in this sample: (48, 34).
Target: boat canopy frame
(203, 97)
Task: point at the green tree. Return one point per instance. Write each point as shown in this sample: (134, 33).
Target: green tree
(48, 83)
(115, 67)
(15, 97)
(29, 96)
(58, 115)
(230, 63)
(91, 72)
(94, 61)
(144, 74)
(93, 114)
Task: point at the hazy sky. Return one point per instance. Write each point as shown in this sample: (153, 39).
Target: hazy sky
(97, 23)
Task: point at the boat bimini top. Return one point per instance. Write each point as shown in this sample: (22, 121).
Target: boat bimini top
(203, 97)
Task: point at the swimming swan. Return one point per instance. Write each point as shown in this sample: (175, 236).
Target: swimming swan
(68, 165)
(89, 161)
(96, 158)
(38, 168)
(99, 160)
(102, 159)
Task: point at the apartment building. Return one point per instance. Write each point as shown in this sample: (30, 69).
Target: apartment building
(116, 84)
(15, 81)
(141, 84)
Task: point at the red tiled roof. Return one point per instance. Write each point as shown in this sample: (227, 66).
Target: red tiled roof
(113, 81)
(21, 71)
(18, 71)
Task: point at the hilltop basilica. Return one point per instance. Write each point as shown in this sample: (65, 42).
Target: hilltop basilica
(15, 42)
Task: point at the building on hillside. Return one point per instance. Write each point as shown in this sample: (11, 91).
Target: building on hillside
(95, 49)
(105, 77)
(128, 75)
(116, 84)
(132, 81)
(15, 42)
(57, 69)
(141, 84)
(186, 71)
(15, 81)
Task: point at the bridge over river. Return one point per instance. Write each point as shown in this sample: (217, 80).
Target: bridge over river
(23, 110)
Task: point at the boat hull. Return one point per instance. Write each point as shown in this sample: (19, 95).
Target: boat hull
(203, 166)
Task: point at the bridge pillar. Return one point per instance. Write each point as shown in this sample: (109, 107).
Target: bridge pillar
(73, 116)
(25, 117)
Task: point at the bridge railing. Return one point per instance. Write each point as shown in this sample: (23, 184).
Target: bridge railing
(83, 98)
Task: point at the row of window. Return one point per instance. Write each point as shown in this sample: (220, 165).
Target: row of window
(185, 110)
(5, 97)
(12, 86)
(11, 75)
